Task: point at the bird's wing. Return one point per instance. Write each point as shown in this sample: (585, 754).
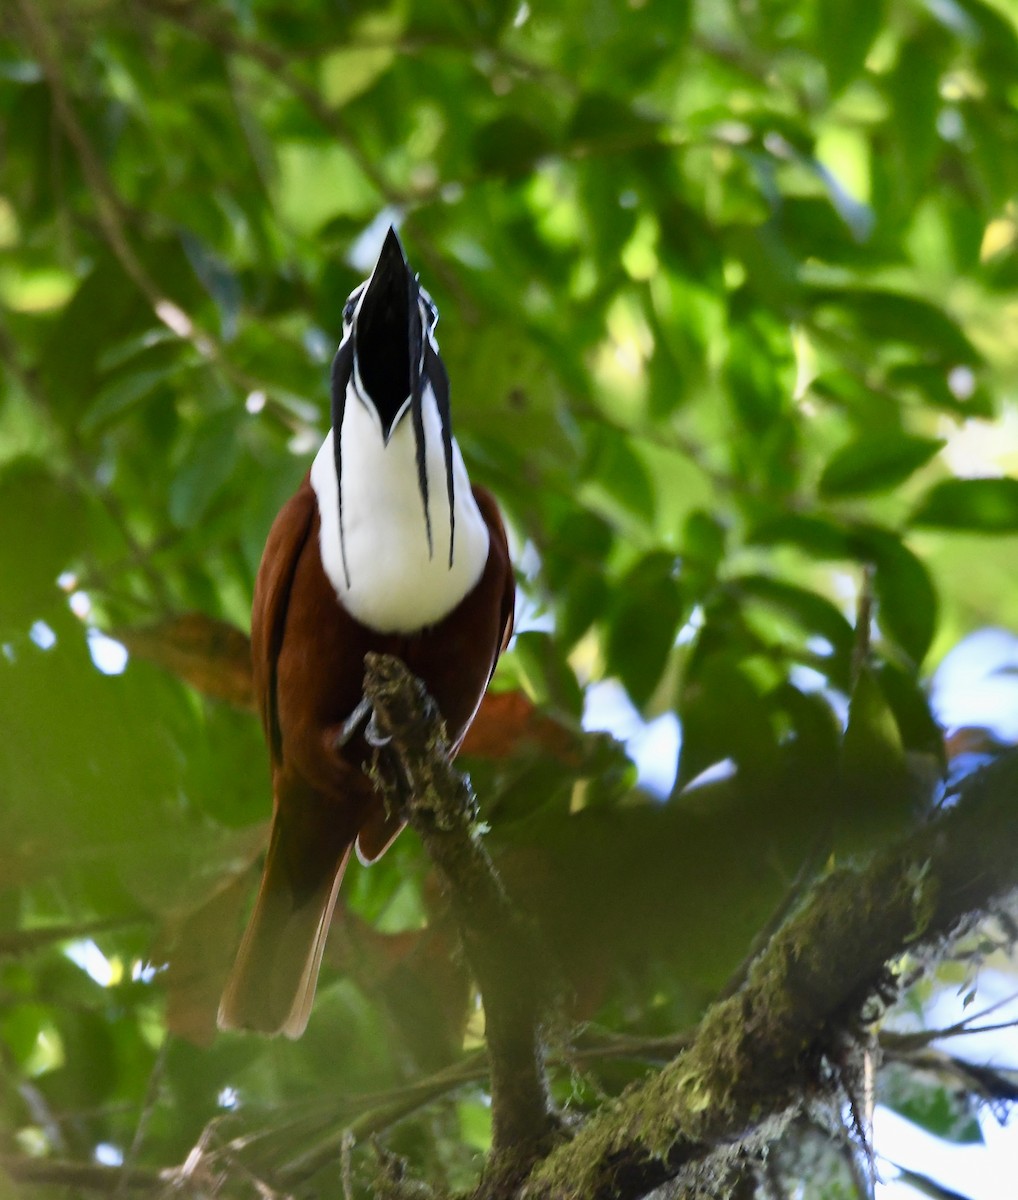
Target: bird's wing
(500, 543)
(286, 540)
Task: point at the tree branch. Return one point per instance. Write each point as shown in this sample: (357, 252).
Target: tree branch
(501, 948)
(42, 43)
(759, 1054)
(16, 942)
(211, 27)
(84, 1176)
(756, 1056)
(41, 37)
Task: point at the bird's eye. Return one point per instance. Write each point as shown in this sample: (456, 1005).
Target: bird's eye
(351, 305)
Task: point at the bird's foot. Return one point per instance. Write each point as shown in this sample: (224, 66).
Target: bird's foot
(362, 719)
(373, 735)
(349, 728)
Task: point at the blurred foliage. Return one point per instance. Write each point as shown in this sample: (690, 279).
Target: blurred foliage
(729, 297)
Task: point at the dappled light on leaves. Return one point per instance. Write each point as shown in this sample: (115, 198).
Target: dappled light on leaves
(728, 299)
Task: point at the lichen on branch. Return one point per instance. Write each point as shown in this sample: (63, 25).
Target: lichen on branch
(758, 1056)
(502, 948)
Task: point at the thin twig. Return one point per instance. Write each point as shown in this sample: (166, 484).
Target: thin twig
(108, 209)
(863, 625)
(148, 1105)
(87, 1176)
(967, 1025)
(197, 20)
(26, 941)
(43, 43)
(774, 1037)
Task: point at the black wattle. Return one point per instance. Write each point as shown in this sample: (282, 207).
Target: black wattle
(342, 368)
(435, 370)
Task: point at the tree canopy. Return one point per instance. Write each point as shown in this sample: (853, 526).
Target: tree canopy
(728, 297)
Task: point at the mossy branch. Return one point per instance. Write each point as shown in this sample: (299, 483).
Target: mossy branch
(760, 1054)
(501, 947)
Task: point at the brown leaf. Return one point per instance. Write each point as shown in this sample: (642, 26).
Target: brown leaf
(972, 739)
(507, 720)
(212, 656)
(198, 945)
(416, 975)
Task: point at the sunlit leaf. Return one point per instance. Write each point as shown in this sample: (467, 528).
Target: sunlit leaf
(725, 288)
(974, 505)
(876, 462)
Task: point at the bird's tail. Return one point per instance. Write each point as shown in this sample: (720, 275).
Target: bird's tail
(272, 984)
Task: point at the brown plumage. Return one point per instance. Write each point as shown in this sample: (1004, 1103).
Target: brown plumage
(308, 658)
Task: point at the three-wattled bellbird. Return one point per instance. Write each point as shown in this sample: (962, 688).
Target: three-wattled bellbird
(385, 547)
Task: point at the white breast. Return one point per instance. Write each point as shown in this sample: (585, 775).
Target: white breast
(395, 585)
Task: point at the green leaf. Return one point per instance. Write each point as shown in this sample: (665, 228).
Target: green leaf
(583, 541)
(910, 704)
(815, 613)
(218, 280)
(972, 505)
(885, 316)
(208, 466)
(944, 1112)
(703, 551)
(118, 397)
(875, 463)
(757, 375)
(876, 798)
(41, 524)
(724, 716)
(618, 470)
(347, 72)
(845, 33)
(475, 1124)
(703, 539)
(575, 571)
(997, 40)
(318, 183)
(818, 537)
(913, 100)
(510, 145)
(906, 597)
(643, 625)
(931, 385)
(603, 118)
(545, 672)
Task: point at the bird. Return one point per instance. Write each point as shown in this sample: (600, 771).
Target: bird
(385, 547)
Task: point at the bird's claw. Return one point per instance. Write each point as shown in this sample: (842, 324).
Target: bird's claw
(362, 715)
(354, 721)
(373, 734)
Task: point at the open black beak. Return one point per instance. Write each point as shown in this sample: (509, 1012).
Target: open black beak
(387, 334)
